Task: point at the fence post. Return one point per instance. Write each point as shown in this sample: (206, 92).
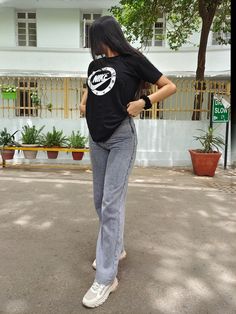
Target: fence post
(66, 97)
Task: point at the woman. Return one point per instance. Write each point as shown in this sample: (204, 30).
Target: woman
(114, 78)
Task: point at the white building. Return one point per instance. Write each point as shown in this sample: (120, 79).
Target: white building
(44, 47)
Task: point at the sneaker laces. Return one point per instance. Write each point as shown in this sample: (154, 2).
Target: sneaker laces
(96, 287)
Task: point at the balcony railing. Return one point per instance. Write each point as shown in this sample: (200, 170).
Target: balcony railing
(60, 98)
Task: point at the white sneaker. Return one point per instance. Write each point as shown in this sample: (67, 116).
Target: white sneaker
(122, 256)
(98, 294)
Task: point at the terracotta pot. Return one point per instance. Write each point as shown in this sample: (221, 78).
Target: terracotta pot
(204, 164)
(30, 154)
(52, 154)
(77, 155)
(7, 154)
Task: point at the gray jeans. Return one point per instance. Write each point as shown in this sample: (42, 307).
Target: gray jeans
(112, 162)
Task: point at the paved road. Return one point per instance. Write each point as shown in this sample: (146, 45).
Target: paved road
(180, 239)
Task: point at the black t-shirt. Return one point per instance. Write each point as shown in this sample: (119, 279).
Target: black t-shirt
(112, 84)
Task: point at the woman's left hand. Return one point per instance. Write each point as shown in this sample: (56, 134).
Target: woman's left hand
(135, 107)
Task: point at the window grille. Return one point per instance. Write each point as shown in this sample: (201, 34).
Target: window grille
(25, 106)
(215, 35)
(88, 19)
(159, 29)
(26, 29)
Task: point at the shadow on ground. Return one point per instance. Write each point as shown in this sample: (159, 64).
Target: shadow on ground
(180, 239)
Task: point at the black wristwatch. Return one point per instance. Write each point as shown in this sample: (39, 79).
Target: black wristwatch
(147, 100)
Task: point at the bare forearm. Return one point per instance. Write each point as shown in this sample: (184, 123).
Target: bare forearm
(82, 105)
(165, 89)
(162, 93)
(84, 98)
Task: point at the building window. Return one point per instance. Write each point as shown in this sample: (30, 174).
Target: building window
(224, 36)
(25, 107)
(88, 19)
(158, 33)
(26, 29)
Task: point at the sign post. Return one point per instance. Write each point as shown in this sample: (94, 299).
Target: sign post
(220, 114)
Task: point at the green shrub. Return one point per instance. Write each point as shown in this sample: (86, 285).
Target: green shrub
(76, 140)
(54, 138)
(209, 141)
(7, 139)
(31, 135)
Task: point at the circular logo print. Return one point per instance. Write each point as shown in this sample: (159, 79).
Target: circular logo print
(102, 81)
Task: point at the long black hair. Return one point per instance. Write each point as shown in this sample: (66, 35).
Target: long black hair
(106, 31)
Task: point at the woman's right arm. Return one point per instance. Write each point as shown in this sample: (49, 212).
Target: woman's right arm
(82, 105)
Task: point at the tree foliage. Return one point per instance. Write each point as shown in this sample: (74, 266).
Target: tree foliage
(184, 17)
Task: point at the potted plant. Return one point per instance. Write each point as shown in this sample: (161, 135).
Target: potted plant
(49, 107)
(205, 160)
(76, 140)
(7, 139)
(31, 137)
(8, 91)
(36, 100)
(54, 139)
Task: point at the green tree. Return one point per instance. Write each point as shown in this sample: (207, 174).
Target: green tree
(184, 17)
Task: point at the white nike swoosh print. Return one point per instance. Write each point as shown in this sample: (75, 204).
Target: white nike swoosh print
(93, 87)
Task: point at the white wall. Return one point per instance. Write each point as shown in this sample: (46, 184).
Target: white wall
(58, 28)
(160, 142)
(166, 142)
(39, 59)
(58, 40)
(63, 4)
(7, 27)
(185, 59)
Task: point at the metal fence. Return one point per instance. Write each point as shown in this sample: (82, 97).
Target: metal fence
(60, 98)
